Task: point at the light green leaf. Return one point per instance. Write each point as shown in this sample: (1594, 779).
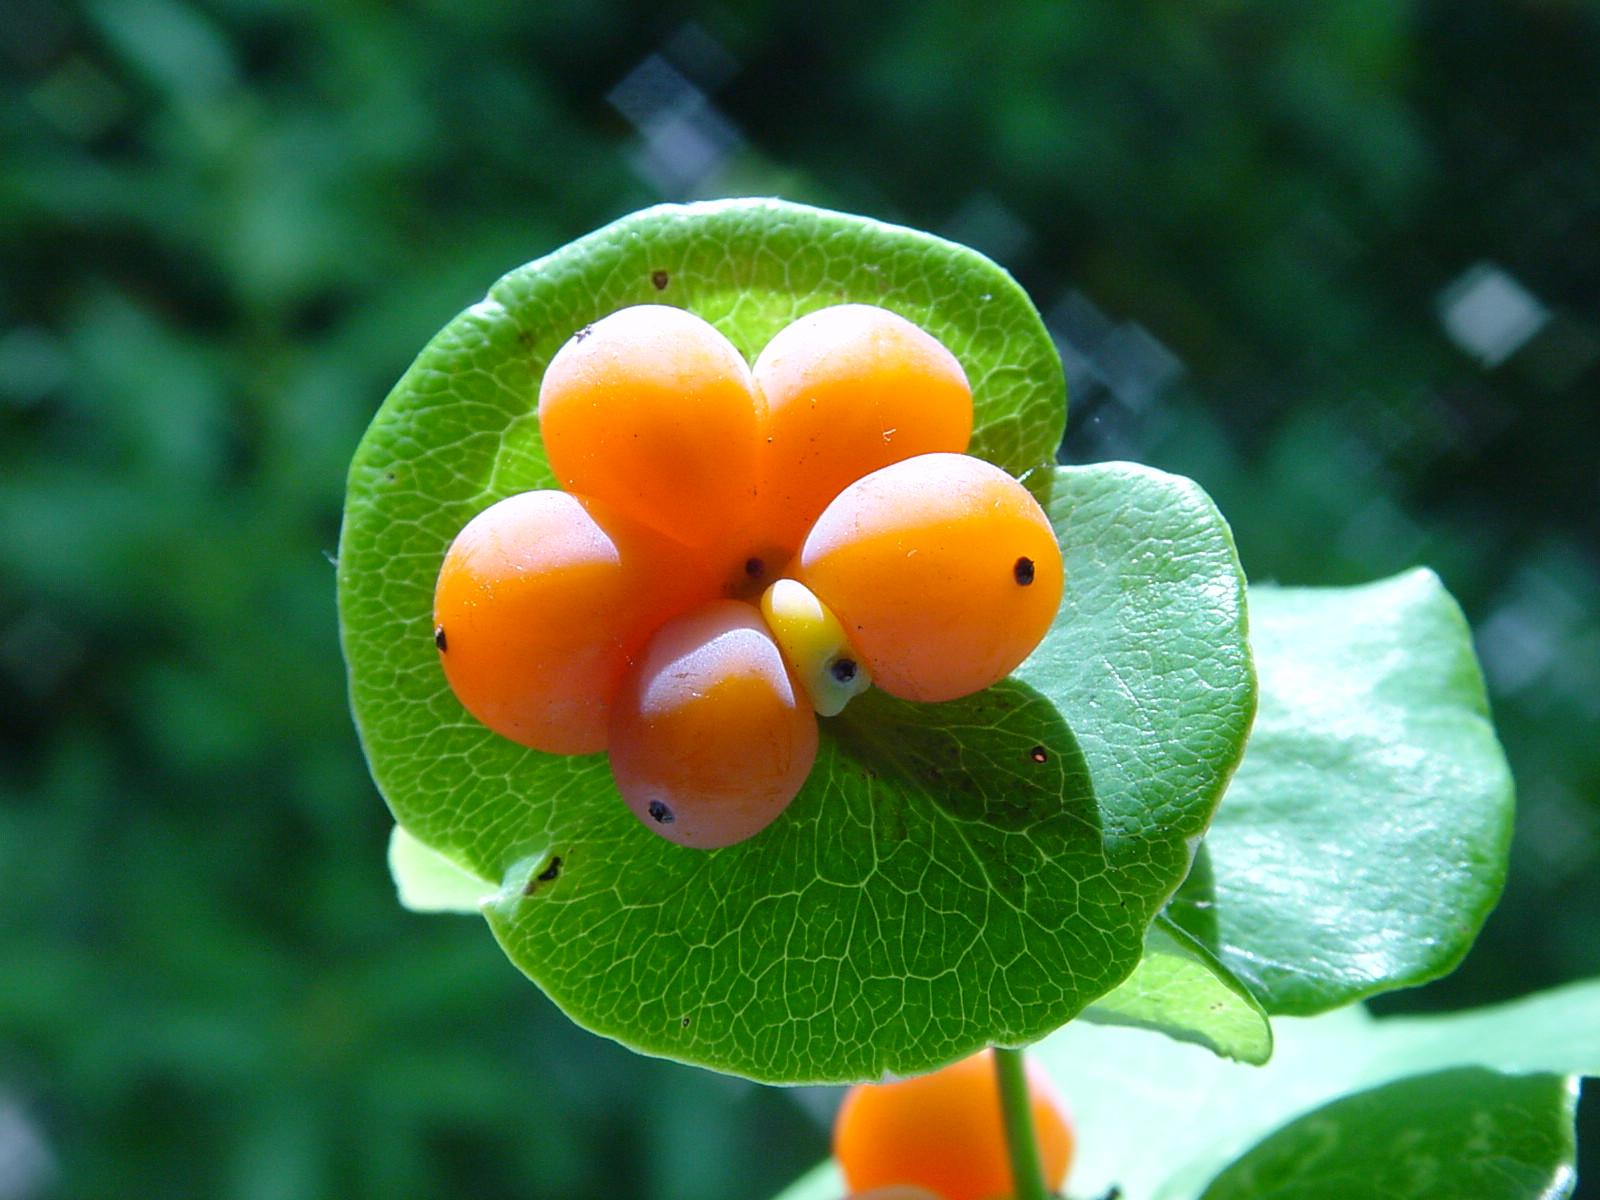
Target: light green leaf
(825, 1181)
(429, 882)
(1462, 1132)
(1364, 840)
(935, 886)
(1181, 990)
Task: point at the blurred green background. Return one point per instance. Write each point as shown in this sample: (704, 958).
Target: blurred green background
(1338, 262)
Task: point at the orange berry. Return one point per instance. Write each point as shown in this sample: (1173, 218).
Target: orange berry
(541, 602)
(943, 570)
(653, 412)
(710, 736)
(848, 390)
(944, 1132)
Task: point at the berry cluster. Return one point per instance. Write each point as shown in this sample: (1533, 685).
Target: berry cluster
(738, 550)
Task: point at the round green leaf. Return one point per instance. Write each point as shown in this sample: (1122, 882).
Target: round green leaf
(1364, 840)
(951, 875)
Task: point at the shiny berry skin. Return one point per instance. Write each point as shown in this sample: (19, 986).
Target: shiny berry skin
(943, 570)
(711, 737)
(652, 412)
(847, 390)
(944, 1132)
(541, 602)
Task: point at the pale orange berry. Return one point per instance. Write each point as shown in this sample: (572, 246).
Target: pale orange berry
(943, 570)
(540, 603)
(711, 738)
(652, 412)
(848, 390)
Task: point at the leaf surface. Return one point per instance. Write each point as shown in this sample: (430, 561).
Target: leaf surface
(1461, 1132)
(1364, 840)
(1181, 990)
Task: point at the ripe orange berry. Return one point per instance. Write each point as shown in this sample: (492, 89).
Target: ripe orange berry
(541, 602)
(652, 412)
(944, 571)
(710, 736)
(848, 390)
(944, 1132)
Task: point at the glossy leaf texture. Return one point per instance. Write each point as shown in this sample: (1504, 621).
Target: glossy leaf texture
(1160, 1120)
(1467, 1131)
(951, 875)
(1364, 840)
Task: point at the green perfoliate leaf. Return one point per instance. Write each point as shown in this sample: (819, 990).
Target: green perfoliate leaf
(1364, 840)
(1462, 1132)
(1181, 990)
(951, 875)
(948, 877)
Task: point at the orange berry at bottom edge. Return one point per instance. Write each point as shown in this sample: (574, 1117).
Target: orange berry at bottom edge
(944, 1132)
(541, 602)
(711, 737)
(943, 570)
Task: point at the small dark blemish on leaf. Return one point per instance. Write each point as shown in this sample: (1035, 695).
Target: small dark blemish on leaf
(439, 638)
(684, 1022)
(1022, 571)
(658, 280)
(1039, 754)
(661, 814)
(388, 476)
(844, 669)
(548, 875)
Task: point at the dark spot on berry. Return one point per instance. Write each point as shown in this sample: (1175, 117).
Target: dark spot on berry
(844, 669)
(1039, 754)
(583, 333)
(438, 638)
(754, 568)
(660, 813)
(1022, 571)
(659, 280)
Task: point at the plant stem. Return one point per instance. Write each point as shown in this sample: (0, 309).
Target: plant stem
(1027, 1177)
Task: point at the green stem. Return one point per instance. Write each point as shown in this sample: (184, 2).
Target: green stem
(1027, 1177)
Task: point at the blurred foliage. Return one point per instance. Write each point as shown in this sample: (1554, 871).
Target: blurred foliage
(227, 225)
